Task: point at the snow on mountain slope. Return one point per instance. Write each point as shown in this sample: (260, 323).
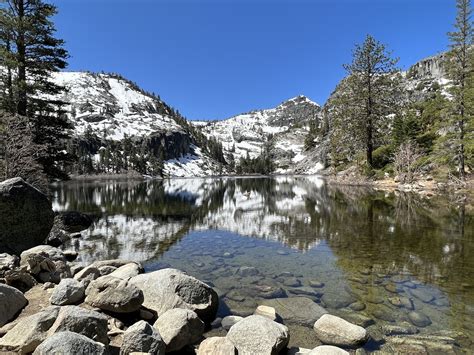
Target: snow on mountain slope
(112, 106)
(285, 126)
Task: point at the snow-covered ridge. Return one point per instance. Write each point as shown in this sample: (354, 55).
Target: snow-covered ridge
(111, 106)
(286, 125)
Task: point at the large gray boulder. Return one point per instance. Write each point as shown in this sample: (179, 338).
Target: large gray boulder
(12, 302)
(170, 288)
(142, 337)
(68, 291)
(26, 215)
(83, 321)
(113, 294)
(179, 327)
(333, 330)
(296, 310)
(258, 335)
(69, 343)
(29, 332)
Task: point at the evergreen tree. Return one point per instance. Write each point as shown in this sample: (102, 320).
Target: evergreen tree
(364, 101)
(460, 71)
(30, 53)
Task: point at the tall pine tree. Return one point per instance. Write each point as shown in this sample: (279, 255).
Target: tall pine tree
(460, 71)
(364, 100)
(29, 54)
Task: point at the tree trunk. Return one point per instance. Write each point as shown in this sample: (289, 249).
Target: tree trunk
(21, 51)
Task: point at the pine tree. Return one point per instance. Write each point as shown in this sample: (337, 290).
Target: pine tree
(30, 53)
(460, 71)
(364, 101)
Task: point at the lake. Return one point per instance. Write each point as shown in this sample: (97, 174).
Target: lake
(365, 255)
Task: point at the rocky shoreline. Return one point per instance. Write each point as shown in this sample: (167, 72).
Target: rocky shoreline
(51, 303)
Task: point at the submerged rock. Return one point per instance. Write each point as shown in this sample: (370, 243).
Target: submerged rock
(73, 222)
(179, 327)
(337, 331)
(422, 295)
(12, 302)
(228, 321)
(69, 343)
(26, 215)
(296, 310)
(337, 300)
(419, 319)
(258, 335)
(170, 288)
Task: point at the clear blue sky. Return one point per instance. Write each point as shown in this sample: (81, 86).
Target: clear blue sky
(217, 58)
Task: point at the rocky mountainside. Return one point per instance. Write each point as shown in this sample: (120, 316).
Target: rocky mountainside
(112, 108)
(283, 128)
(420, 81)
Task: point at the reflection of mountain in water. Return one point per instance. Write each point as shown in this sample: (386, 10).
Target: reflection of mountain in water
(141, 220)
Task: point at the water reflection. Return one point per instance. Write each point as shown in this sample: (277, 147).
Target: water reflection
(390, 252)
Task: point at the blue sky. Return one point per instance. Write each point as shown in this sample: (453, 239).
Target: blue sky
(216, 58)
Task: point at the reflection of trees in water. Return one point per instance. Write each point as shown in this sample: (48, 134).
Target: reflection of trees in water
(365, 228)
(392, 233)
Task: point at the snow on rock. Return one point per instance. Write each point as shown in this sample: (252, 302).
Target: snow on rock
(284, 126)
(112, 107)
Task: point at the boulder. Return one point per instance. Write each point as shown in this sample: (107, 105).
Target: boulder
(26, 215)
(12, 302)
(48, 251)
(36, 263)
(8, 262)
(337, 331)
(87, 275)
(419, 319)
(296, 310)
(79, 320)
(216, 346)
(69, 343)
(113, 294)
(20, 279)
(127, 271)
(179, 327)
(29, 332)
(229, 321)
(170, 288)
(142, 337)
(327, 350)
(72, 222)
(266, 311)
(68, 291)
(258, 335)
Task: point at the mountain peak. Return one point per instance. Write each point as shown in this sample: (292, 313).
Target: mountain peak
(300, 99)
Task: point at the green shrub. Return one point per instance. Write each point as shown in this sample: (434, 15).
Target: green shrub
(382, 156)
